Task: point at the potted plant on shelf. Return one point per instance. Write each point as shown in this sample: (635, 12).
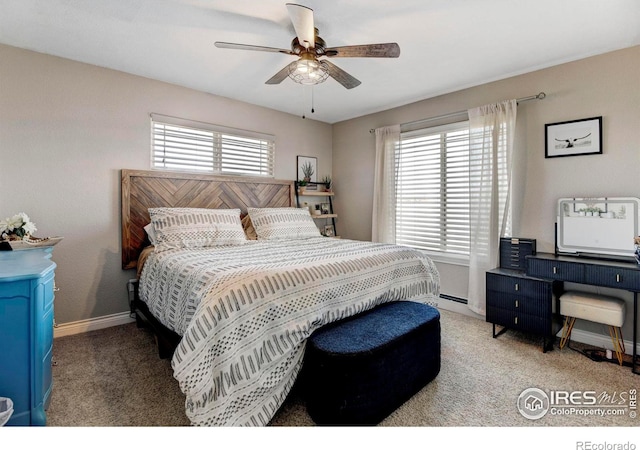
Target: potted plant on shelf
(327, 183)
(302, 185)
(307, 171)
(591, 211)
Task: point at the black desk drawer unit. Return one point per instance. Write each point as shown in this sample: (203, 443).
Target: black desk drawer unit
(514, 251)
(518, 302)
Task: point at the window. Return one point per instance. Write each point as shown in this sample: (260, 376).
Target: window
(178, 144)
(432, 190)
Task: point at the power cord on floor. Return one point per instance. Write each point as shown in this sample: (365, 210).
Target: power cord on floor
(598, 355)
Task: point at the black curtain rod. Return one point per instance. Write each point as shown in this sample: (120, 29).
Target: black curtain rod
(539, 96)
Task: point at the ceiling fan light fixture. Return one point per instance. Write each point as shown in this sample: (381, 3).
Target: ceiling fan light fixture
(309, 71)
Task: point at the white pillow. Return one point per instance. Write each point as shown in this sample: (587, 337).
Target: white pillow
(196, 227)
(151, 233)
(283, 223)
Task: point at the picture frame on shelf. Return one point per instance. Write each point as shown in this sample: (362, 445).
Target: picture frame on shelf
(573, 138)
(324, 208)
(307, 170)
(328, 231)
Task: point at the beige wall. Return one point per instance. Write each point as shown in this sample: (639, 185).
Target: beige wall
(66, 130)
(605, 85)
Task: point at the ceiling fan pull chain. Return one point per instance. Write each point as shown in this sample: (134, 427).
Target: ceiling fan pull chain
(304, 101)
(312, 98)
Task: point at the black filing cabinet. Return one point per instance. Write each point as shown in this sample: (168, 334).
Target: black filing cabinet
(520, 302)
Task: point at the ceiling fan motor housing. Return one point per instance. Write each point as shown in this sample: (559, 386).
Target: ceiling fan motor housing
(318, 48)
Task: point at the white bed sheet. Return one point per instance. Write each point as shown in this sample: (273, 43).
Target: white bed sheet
(246, 311)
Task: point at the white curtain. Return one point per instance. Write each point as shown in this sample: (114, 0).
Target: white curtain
(384, 185)
(491, 177)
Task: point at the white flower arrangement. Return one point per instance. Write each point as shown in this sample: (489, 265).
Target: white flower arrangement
(16, 227)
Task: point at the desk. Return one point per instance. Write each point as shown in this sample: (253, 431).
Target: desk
(594, 272)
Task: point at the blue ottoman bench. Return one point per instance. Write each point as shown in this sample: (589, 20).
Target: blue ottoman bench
(359, 370)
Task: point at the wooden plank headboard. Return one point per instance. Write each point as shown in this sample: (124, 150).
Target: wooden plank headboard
(143, 189)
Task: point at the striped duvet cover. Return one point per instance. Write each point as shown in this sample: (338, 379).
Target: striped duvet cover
(244, 313)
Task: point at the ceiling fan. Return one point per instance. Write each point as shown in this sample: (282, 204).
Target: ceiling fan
(309, 47)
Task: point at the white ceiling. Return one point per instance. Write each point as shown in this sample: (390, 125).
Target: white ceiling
(446, 45)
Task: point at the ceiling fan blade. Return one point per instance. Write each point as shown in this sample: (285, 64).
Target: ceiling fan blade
(390, 50)
(252, 47)
(341, 76)
(302, 19)
(280, 76)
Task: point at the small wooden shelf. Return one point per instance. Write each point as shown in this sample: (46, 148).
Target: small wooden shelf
(315, 193)
(330, 217)
(324, 216)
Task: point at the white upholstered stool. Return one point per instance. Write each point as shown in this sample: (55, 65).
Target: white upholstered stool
(595, 308)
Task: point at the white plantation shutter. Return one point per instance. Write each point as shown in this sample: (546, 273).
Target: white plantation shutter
(178, 144)
(432, 189)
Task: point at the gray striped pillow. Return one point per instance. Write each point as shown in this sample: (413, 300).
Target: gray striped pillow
(283, 223)
(196, 227)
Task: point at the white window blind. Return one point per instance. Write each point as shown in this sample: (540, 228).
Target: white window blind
(432, 189)
(178, 144)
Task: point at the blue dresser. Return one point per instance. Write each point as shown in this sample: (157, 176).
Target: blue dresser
(26, 332)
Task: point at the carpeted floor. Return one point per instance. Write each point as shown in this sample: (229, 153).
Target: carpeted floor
(113, 377)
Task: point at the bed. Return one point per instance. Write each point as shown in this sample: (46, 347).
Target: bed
(238, 311)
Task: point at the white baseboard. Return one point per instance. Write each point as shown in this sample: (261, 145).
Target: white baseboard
(98, 323)
(584, 337)
(599, 340)
(82, 326)
(462, 308)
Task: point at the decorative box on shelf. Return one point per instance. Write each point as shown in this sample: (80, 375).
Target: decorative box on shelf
(513, 252)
